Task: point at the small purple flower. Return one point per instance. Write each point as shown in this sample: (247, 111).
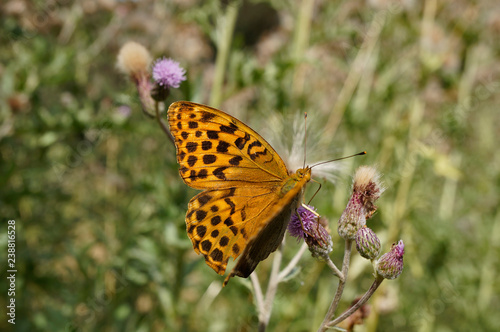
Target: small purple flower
(168, 73)
(367, 243)
(308, 218)
(316, 236)
(390, 265)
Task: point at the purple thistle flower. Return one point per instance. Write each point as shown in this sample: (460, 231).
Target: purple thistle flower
(390, 265)
(367, 243)
(168, 73)
(316, 236)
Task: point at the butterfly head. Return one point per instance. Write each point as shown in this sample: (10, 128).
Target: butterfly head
(303, 173)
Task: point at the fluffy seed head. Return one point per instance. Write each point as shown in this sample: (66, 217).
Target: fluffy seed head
(133, 59)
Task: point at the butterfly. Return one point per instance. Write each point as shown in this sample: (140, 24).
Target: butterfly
(248, 193)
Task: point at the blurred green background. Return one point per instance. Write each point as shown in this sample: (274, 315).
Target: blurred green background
(99, 207)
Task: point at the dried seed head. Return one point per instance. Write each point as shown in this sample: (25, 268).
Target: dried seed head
(367, 183)
(133, 59)
(366, 189)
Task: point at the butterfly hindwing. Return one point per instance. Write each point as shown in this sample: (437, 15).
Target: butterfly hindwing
(221, 222)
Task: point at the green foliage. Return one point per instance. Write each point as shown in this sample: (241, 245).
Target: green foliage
(99, 205)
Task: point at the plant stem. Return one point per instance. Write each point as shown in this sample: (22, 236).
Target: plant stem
(162, 124)
(226, 28)
(340, 289)
(259, 297)
(334, 268)
(286, 271)
(265, 314)
(358, 304)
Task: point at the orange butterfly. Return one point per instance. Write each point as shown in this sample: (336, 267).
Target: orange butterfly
(248, 193)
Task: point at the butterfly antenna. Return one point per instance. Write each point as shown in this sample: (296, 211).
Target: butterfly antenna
(329, 161)
(305, 138)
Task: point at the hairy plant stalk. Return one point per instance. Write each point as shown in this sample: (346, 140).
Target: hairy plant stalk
(334, 268)
(265, 313)
(293, 263)
(340, 289)
(162, 124)
(358, 304)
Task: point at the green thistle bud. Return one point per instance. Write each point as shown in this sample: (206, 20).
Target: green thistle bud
(367, 243)
(353, 218)
(390, 265)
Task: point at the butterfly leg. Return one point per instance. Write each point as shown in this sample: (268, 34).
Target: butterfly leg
(317, 223)
(302, 223)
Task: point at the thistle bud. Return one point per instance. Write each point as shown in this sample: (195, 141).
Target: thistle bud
(366, 189)
(367, 243)
(390, 265)
(311, 230)
(367, 183)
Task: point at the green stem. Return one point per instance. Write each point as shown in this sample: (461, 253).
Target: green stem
(340, 289)
(358, 304)
(223, 45)
(162, 124)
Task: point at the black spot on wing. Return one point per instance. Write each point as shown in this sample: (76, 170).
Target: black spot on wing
(235, 161)
(219, 173)
(204, 199)
(200, 215)
(224, 241)
(215, 220)
(216, 255)
(212, 134)
(231, 205)
(206, 145)
(222, 147)
(201, 230)
(192, 160)
(191, 146)
(206, 245)
(202, 174)
(230, 130)
(209, 159)
(206, 116)
(241, 141)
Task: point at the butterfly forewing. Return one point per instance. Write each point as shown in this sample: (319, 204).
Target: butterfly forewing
(216, 150)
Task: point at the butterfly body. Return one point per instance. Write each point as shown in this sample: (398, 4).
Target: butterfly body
(248, 194)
